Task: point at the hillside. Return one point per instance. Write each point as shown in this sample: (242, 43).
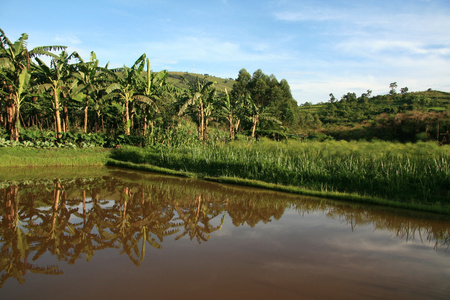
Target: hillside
(405, 117)
(176, 78)
(430, 100)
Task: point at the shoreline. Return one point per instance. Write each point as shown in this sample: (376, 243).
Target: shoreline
(100, 157)
(339, 196)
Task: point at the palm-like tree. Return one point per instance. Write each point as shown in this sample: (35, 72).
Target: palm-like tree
(125, 87)
(15, 62)
(152, 92)
(57, 77)
(200, 95)
(92, 79)
(232, 110)
(255, 114)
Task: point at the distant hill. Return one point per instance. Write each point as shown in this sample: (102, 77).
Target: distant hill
(176, 78)
(405, 117)
(430, 100)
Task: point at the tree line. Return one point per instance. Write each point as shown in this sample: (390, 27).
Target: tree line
(70, 95)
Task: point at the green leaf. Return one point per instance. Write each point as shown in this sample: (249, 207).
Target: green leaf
(24, 79)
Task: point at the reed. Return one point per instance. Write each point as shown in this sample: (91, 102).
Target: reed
(409, 173)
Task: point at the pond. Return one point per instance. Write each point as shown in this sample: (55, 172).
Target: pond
(109, 233)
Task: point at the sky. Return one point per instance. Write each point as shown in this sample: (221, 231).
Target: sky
(318, 46)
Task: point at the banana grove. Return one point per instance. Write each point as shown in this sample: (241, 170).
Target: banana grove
(63, 95)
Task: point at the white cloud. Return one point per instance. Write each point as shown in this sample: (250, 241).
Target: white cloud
(68, 39)
(367, 47)
(302, 16)
(208, 49)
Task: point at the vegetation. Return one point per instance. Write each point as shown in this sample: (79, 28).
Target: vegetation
(133, 105)
(35, 157)
(130, 105)
(404, 174)
(404, 117)
(202, 125)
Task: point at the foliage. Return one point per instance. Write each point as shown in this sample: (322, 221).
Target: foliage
(394, 117)
(134, 105)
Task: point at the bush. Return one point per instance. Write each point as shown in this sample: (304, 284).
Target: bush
(320, 137)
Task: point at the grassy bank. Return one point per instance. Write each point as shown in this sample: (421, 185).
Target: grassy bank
(33, 157)
(415, 176)
(402, 175)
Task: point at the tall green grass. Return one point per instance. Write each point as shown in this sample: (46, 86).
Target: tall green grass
(410, 173)
(33, 157)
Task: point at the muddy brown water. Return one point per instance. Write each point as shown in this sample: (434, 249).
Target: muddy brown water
(108, 233)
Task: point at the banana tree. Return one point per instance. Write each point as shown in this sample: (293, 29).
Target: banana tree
(152, 91)
(14, 92)
(200, 96)
(125, 87)
(255, 114)
(15, 62)
(232, 110)
(57, 78)
(92, 79)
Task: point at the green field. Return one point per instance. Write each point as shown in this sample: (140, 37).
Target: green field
(34, 157)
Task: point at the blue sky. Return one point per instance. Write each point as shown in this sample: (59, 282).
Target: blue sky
(319, 46)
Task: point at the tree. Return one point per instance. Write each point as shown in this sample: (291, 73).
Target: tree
(332, 98)
(393, 86)
(152, 91)
(404, 90)
(57, 77)
(259, 86)
(241, 85)
(282, 105)
(125, 87)
(200, 95)
(231, 109)
(92, 80)
(15, 62)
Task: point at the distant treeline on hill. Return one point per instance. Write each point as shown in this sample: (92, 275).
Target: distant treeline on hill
(405, 116)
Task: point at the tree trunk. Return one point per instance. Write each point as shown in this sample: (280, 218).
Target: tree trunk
(237, 125)
(131, 110)
(66, 119)
(202, 122)
(11, 117)
(16, 124)
(145, 124)
(231, 126)
(255, 122)
(57, 115)
(86, 114)
(127, 119)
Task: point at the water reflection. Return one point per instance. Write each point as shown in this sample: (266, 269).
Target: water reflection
(74, 217)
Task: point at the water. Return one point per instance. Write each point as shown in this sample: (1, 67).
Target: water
(115, 234)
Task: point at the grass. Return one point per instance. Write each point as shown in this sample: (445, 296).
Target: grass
(33, 157)
(402, 175)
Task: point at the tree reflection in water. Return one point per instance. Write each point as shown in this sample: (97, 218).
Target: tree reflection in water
(69, 218)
